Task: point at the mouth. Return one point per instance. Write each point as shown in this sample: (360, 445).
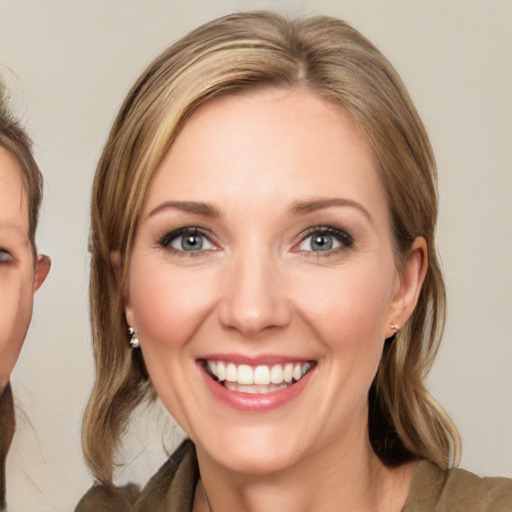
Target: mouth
(258, 379)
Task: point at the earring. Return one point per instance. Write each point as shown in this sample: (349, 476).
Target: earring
(134, 340)
(393, 326)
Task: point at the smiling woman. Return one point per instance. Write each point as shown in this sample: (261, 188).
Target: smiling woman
(282, 279)
(22, 270)
(263, 221)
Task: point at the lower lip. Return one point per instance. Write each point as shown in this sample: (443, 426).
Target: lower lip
(258, 402)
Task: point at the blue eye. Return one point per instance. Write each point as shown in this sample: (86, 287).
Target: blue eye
(319, 242)
(188, 242)
(188, 239)
(323, 243)
(5, 256)
(325, 239)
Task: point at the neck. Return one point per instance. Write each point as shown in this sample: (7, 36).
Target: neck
(337, 478)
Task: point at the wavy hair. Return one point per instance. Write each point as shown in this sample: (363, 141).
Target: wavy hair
(255, 50)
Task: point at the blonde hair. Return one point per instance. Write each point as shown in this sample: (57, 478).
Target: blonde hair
(241, 52)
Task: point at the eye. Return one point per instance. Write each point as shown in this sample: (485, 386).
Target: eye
(325, 239)
(5, 256)
(188, 239)
(319, 242)
(190, 242)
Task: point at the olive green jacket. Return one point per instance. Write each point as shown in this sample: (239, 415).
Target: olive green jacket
(172, 489)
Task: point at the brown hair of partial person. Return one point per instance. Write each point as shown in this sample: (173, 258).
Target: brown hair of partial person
(7, 427)
(235, 54)
(14, 139)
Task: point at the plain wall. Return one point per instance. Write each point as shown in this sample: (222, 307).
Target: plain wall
(69, 64)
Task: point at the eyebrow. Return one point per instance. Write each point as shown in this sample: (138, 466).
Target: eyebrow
(297, 208)
(301, 207)
(198, 208)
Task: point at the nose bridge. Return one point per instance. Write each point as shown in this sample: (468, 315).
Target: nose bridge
(255, 292)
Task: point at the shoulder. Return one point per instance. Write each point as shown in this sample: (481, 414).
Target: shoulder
(173, 484)
(435, 490)
(106, 498)
(172, 488)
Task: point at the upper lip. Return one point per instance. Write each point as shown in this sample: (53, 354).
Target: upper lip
(263, 359)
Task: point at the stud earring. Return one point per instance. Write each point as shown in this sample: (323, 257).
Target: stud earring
(134, 339)
(393, 326)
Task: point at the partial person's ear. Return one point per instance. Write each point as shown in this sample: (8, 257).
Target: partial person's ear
(410, 280)
(43, 265)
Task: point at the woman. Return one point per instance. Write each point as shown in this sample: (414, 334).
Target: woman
(263, 220)
(22, 269)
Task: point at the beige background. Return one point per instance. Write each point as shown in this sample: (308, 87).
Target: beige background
(70, 63)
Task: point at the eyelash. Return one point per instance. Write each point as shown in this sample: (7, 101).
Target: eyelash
(341, 236)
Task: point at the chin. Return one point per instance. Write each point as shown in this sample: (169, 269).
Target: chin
(257, 451)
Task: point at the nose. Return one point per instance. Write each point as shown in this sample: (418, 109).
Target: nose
(254, 299)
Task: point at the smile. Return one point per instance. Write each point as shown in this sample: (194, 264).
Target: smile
(259, 379)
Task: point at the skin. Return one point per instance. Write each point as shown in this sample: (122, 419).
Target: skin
(21, 272)
(257, 288)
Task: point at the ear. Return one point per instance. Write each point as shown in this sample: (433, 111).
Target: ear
(43, 265)
(410, 280)
(115, 259)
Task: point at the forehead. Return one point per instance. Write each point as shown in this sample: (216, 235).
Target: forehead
(13, 197)
(290, 141)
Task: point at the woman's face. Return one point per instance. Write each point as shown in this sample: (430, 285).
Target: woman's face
(263, 256)
(20, 274)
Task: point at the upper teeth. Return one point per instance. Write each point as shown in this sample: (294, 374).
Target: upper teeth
(260, 375)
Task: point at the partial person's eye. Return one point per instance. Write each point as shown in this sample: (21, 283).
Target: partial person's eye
(187, 239)
(326, 239)
(5, 256)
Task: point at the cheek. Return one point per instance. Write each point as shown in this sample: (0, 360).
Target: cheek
(169, 305)
(357, 299)
(346, 307)
(15, 315)
(347, 313)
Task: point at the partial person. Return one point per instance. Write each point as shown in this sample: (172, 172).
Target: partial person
(263, 260)
(22, 269)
